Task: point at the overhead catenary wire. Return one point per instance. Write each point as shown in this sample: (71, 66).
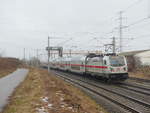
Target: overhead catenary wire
(121, 27)
(112, 31)
(137, 22)
(143, 36)
(131, 5)
(64, 42)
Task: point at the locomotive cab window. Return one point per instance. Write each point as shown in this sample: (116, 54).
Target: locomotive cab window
(117, 61)
(95, 60)
(105, 63)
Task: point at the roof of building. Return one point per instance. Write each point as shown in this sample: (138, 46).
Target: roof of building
(132, 53)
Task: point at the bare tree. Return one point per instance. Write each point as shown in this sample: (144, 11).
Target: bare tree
(34, 61)
(138, 62)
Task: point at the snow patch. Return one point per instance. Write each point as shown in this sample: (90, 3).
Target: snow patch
(44, 99)
(61, 98)
(50, 106)
(41, 110)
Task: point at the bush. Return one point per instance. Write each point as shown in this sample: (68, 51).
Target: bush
(145, 70)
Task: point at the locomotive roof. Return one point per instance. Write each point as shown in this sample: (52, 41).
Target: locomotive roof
(61, 59)
(91, 55)
(81, 57)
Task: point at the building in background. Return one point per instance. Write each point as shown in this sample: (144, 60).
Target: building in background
(137, 58)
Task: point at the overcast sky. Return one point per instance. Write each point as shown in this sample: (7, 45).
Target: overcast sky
(81, 23)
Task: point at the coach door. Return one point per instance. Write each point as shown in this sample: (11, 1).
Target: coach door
(100, 64)
(104, 65)
(95, 64)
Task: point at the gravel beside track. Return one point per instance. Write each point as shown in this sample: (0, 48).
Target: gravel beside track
(139, 79)
(140, 82)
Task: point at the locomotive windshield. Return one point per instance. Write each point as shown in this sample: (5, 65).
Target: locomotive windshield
(117, 61)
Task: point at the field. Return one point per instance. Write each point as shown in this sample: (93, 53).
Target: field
(8, 65)
(141, 72)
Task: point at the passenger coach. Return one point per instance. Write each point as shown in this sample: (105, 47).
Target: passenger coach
(109, 66)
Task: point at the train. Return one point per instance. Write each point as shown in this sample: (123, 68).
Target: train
(111, 67)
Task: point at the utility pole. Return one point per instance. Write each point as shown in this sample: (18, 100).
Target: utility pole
(37, 53)
(30, 59)
(114, 45)
(120, 29)
(24, 55)
(148, 8)
(48, 54)
(70, 52)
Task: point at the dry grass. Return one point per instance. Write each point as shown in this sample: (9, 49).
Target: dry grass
(8, 65)
(61, 97)
(141, 72)
(6, 72)
(26, 95)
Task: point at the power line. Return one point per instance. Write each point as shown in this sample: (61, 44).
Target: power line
(66, 41)
(124, 10)
(132, 5)
(120, 30)
(121, 27)
(141, 36)
(137, 22)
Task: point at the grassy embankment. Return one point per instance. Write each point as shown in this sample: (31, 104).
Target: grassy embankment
(8, 65)
(43, 93)
(141, 72)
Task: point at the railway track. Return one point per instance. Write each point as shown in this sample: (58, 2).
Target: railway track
(113, 94)
(135, 89)
(141, 83)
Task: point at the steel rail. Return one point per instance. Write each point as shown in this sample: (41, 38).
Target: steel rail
(136, 86)
(144, 92)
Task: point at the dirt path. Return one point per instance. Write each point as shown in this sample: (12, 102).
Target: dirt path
(9, 83)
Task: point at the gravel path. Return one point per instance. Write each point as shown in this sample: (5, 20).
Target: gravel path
(8, 85)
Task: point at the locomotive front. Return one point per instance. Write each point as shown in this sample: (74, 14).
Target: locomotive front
(117, 67)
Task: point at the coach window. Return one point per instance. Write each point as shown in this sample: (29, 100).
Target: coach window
(105, 63)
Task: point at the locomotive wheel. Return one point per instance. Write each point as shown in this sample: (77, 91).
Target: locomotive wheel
(107, 80)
